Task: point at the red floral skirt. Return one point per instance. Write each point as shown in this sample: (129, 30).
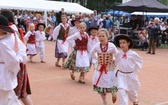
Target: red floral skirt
(23, 88)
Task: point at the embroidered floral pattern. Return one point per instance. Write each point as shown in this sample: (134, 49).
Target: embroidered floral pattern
(101, 90)
(70, 64)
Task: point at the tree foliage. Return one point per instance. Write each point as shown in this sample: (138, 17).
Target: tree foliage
(104, 5)
(164, 2)
(101, 5)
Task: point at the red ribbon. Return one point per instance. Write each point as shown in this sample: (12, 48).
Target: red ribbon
(102, 69)
(124, 56)
(93, 38)
(65, 36)
(83, 48)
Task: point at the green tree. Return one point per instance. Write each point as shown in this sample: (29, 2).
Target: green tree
(164, 2)
(101, 5)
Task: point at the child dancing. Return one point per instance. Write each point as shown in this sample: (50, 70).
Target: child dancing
(79, 58)
(40, 37)
(104, 80)
(31, 42)
(60, 34)
(128, 63)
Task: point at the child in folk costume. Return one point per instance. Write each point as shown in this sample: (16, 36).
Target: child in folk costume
(23, 89)
(104, 79)
(47, 31)
(75, 24)
(10, 57)
(79, 58)
(31, 42)
(60, 34)
(92, 40)
(74, 29)
(128, 63)
(40, 37)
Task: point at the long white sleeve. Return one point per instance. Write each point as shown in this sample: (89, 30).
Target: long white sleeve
(56, 32)
(71, 39)
(10, 58)
(27, 35)
(93, 53)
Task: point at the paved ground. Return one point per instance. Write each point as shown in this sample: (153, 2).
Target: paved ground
(53, 86)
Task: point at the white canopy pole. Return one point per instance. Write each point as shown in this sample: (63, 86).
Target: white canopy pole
(45, 17)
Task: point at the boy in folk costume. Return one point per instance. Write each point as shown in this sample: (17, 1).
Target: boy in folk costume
(31, 42)
(10, 57)
(92, 40)
(60, 34)
(104, 80)
(128, 63)
(40, 37)
(23, 89)
(79, 58)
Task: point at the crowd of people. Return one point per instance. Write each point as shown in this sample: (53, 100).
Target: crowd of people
(88, 37)
(112, 24)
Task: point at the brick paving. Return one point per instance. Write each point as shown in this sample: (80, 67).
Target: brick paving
(52, 85)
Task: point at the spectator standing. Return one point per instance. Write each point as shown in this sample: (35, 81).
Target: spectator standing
(94, 19)
(59, 14)
(153, 35)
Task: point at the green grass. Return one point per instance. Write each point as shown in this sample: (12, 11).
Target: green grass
(164, 46)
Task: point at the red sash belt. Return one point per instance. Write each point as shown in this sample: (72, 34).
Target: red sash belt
(82, 48)
(64, 37)
(31, 42)
(102, 69)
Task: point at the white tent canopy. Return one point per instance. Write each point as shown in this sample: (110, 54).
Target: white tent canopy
(42, 5)
(150, 13)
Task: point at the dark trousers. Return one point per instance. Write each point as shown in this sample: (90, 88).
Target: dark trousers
(152, 45)
(143, 45)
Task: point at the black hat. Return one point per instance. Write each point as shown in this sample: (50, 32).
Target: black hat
(39, 25)
(93, 28)
(4, 24)
(126, 37)
(76, 19)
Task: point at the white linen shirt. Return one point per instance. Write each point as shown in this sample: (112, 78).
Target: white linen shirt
(92, 42)
(40, 37)
(62, 47)
(132, 63)
(9, 62)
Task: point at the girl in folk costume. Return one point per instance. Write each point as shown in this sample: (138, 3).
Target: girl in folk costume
(79, 58)
(23, 88)
(75, 24)
(92, 40)
(60, 34)
(10, 57)
(128, 63)
(40, 37)
(104, 80)
(31, 42)
(74, 29)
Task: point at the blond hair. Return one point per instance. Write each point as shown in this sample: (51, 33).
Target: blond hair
(64, 15)
(31, 25)
(82, 24)
(104, 30)
(156, 20)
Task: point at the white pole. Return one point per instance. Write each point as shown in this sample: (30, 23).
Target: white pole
(45, 17)
(124, 1)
